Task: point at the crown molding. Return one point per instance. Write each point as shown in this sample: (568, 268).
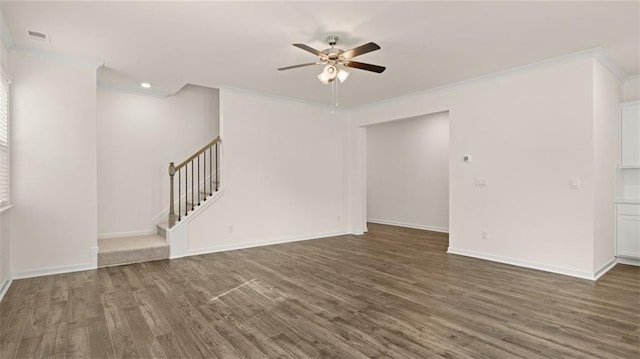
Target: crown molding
(595, 53)
(56, 57)
(632, 78)
(603, 57)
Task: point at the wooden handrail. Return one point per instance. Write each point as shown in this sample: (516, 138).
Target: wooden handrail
(198, 153)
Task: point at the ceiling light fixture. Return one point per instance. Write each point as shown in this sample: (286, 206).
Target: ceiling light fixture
(145, 85)
(330, 73)
(334, 59)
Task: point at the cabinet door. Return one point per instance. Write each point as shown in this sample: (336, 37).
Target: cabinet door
(630, 136)
(628, 241)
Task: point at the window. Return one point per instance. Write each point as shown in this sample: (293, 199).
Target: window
(4, 139)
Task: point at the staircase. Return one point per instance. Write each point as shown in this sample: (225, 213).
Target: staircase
(197, 181)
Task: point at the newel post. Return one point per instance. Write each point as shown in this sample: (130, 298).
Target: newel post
(172, 212)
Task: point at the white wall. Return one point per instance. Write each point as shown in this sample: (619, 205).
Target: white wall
(529, 131)
(138, 136)
(291, 169)
(4, 56)
(631, 89)
(54, 221)
(5, 247)
(408, 172)
(282, 174)
(607, 92)
(5, 258)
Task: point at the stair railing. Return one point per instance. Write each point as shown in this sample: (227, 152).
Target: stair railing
(200, 182)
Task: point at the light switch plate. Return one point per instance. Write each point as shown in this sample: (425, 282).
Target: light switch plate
(466, 158)
(482, 182)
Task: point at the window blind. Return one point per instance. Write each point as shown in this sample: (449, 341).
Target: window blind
(4, 139)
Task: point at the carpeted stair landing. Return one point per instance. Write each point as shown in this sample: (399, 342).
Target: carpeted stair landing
(126, 250)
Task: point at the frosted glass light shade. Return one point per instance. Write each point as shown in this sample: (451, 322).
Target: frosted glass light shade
(342, 75)
(323, 78)
(330, 71)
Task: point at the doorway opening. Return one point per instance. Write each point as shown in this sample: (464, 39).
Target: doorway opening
(407, 172)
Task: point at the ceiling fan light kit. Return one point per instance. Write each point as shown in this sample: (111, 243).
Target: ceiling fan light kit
(328, 74)
(334, 59)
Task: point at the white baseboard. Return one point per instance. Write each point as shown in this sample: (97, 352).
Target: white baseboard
(525, 264)
(147, 232)
(409, 225)
(159, 218)
(5, 286)
(178, 235)
(52, 270)
(629, 261)
(195, 252)
(94, 256)
(605, 268)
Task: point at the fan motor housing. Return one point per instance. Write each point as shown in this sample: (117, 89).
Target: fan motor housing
(333, 54)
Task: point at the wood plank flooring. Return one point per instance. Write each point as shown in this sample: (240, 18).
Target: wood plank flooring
(392, 293)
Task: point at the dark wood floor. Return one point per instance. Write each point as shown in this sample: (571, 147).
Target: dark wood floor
(392, 293)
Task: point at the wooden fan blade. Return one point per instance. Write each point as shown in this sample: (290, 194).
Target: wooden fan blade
(308, 48)
(363, 66)
(296, 66)
(357, 51)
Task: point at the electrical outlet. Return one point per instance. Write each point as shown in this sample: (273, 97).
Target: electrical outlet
(484, 235)
(339, 219)
(231, 228)
(574, 183)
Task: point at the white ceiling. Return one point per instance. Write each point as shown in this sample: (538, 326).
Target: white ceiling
(424, 44)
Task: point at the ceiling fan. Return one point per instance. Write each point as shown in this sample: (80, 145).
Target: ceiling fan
(333, 58)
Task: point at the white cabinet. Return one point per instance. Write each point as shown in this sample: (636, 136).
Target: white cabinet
(628, 186)
(630, 135)
(628, 231)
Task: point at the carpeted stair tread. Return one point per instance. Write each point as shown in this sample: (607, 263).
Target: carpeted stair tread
(126, 250)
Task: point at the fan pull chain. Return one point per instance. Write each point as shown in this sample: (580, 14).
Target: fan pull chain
(333, 97)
